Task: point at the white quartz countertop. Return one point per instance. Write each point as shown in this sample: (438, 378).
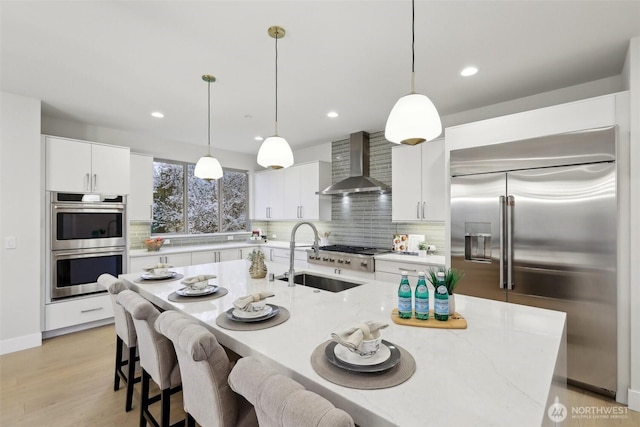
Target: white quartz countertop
(208, 247)
(497, 372)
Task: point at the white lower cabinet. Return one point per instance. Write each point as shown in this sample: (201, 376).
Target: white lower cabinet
(343, 271)
(282, 256)
(77, 311)
(137, 264)
(391, 271)
(206, 257)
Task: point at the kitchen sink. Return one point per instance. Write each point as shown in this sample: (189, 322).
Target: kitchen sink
(321, 282)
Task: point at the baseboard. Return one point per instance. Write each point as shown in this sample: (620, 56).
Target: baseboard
(24, 342)
(76, 328)
(634, 400)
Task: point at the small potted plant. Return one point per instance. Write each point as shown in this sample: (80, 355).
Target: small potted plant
(258, 268)
(451, 279)
(422, 249)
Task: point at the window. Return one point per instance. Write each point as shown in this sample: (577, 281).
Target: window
(183, 203)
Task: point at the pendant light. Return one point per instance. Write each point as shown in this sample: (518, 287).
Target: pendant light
(413, 119)
(208, 167)
(275, 152)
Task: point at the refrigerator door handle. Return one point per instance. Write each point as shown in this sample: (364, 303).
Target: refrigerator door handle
(502, 202)
(510, 204)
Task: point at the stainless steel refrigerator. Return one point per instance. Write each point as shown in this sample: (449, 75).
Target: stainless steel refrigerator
(534, 222)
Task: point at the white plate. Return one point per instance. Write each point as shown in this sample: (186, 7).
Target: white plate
(189, 292)
(251, 314)
(347, 356)
(153, 276)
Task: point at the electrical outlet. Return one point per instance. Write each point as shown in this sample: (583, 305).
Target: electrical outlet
(10, 242)
(229, 237)
(167, 241)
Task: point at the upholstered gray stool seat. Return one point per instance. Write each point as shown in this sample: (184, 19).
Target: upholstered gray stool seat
(157, 358)
(125, 337)
(204, 368)
(280, 401)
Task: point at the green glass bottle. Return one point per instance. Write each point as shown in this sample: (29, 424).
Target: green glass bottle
(404, 297)
(422, 298)
(441, 299)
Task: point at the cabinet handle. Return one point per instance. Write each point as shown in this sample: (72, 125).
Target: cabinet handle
(95, 182)
(91, 309)
(423, 203)
(406, 269)
(87, 183)
(418, 210)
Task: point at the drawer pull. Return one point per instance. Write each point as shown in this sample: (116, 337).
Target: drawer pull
(91, 309)
(406, 269)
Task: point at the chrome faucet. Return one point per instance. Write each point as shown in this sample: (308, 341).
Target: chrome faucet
(292, 248)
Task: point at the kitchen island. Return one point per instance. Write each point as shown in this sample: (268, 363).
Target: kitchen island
(505, 368)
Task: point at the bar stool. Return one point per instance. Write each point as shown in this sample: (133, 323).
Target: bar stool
(157, 358)
(125, 338)
(204, 367)
(280, 401)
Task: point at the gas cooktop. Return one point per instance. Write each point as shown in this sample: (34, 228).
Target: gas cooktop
(360, 250)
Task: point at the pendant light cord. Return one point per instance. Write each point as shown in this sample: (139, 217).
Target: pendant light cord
(413, 42)
(209, 119)
(276, 124)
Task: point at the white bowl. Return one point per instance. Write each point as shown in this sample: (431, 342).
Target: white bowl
(160, 271)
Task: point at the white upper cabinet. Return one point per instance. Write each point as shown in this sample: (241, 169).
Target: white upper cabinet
(268, 194)
(84, 167)
(301, 183)
(140, 201)
(418, 182)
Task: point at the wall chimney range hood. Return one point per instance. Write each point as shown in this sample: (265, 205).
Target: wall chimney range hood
(359, 180)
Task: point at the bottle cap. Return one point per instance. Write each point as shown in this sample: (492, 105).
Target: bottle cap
(404, 273)
(421, 273)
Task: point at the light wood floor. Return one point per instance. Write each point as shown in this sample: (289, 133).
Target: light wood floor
(69, 382)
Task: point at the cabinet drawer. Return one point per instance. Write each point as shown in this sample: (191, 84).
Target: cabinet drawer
(396, 267)
(76, 312)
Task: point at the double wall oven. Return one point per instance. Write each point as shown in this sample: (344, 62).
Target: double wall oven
(86, 238)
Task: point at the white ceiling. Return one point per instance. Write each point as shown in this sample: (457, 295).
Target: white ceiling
(111, 63)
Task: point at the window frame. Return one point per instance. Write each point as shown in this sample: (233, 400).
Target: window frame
(185, 200)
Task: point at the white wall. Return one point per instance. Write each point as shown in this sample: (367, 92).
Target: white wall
(631, 74)
(20, 217)
(317, 152)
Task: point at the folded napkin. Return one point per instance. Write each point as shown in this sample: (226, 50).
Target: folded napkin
(154, 266)
(352, 337)
(246, 303)
(196, 279)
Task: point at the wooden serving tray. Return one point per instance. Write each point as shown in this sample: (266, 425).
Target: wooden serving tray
(455, 322)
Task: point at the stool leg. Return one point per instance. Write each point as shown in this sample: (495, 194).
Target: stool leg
(144, 399)
(116, 379)
(165, 401)
(131, 377)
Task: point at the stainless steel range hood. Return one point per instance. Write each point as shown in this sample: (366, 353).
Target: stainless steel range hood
(359, 180)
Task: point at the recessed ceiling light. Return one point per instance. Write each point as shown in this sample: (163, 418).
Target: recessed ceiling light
(332, 114)
(468, 71)
(258, 138)
(157, 114)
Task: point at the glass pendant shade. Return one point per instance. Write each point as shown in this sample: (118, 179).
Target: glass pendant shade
(208, 168)
(413, 119)
(275, 153)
